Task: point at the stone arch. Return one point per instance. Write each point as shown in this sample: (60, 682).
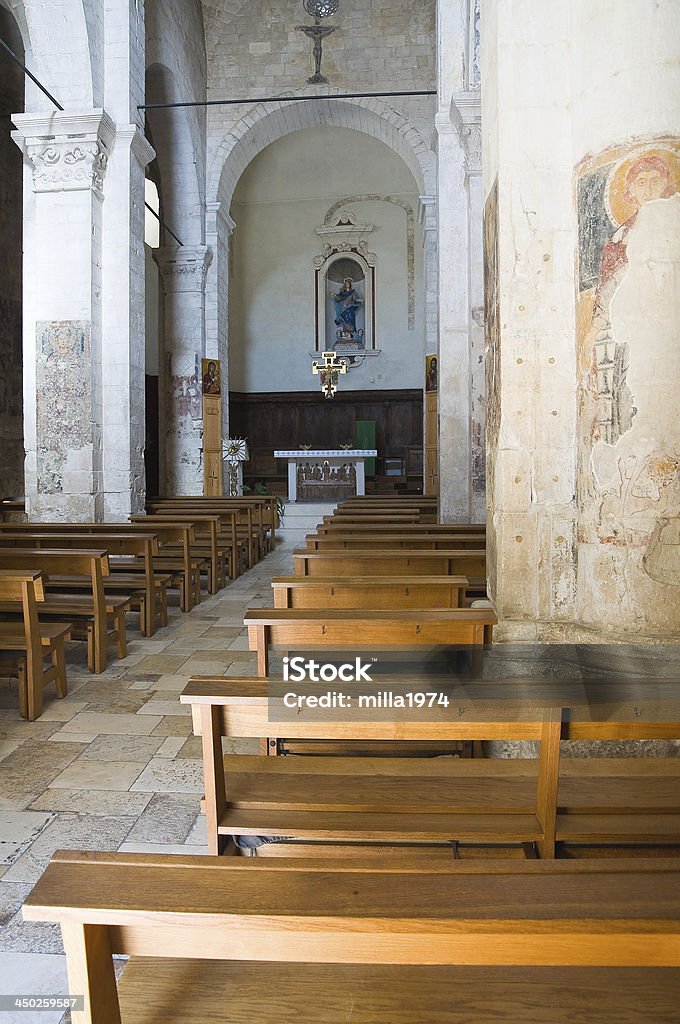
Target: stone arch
(266, 122)
(47, 29)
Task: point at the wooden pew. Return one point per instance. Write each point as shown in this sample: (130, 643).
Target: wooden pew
(131, 554)
(263, 505)
(341, 526)
(99, 618)
(401, 562)
(558, 805)
(369, 591)
(497, 943)
(290, 628)
(250, 518)
(227, 552)
(377, 541)
(32, 641)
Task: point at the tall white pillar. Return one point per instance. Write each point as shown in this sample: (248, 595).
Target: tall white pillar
(219, 229)
(184, 270)
(66, 156)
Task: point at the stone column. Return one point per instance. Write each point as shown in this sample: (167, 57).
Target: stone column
(184, 270)
(219, 229)
(454, 327)
(66, 156)
(123, 317)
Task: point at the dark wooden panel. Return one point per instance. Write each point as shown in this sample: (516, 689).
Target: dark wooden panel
(287, 420)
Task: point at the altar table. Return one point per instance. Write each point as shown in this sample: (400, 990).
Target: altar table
(333, 460)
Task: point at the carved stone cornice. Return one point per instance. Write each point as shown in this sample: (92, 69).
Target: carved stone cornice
(218, 219)
(466, 115)
(184, 267)
(140, 147)
(68, 152)
(427, 212)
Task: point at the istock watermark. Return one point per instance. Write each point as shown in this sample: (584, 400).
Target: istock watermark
(299, 670)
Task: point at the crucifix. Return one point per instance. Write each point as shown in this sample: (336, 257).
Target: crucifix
(328, 371)
(318, 9)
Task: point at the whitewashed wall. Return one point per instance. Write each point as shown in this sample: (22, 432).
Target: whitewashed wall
(282, 197)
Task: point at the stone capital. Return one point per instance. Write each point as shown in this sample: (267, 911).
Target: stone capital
(427, 212)
(132, 135)
(184, 267)
(466, 115)
(68, 152)
(218, 219)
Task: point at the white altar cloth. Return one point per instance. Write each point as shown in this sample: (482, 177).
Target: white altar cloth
(334, 457)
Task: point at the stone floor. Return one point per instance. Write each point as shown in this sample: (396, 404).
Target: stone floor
(113, 766)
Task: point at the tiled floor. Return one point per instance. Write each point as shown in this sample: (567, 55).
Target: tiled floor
(113, 766)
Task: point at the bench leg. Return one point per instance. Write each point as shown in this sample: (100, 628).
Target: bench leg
(23, 690)
(91, 658)
(90, 972)
(120, 634)
(59, 662)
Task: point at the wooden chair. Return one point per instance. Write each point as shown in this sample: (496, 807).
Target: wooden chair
(485, 943)
(33, 641)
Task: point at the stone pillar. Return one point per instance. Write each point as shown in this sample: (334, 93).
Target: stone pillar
(626, 132)
(184, 270)
(65, 156)
(427, 215)
(529, 246)
(454, 344)
(123, 355)
(219, 229)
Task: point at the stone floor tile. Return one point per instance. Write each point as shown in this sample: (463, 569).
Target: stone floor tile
(96, 775)
(17, 830)
(173, 725)
(19, 936)
(105, 803)
(121, 748)
(191, 851)
(10, 730)
(126, 704)
(191, 747)
(172, 684)
(210, 665)
(166, 775)
(68, 832)
(7, 746)
(62, 710)
(240, 643)
(112, 725)
(160, 663)
(168, 818)
(199, 833)
(247, 669)
(171, 746)
(27, 771)
(69, 737)
(165, 707)
(26, 974)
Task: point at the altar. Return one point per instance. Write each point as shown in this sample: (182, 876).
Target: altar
(331, 475)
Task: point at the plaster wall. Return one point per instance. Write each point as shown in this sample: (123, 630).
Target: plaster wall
(282, 197)
(583, 523)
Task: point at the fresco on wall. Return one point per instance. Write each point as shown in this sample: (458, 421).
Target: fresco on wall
(63, 399)
(628, 356)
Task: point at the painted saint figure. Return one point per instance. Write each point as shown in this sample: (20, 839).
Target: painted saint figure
(346, 302)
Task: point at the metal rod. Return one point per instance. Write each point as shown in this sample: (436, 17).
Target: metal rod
(162, 223)
(287, 99)
(30, 74)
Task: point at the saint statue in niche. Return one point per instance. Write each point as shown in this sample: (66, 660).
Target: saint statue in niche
(347, 305)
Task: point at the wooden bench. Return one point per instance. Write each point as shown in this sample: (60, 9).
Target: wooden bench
(369, 591)
(401, 562)
(341, 526)
(250, 518)
(32, 641)
(131, 552)
(94, 615)
(289, 628)
(216, 537)
(548, 804)
(210, 940)
(377, 541)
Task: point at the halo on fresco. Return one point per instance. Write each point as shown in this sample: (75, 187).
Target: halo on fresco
(618, 208)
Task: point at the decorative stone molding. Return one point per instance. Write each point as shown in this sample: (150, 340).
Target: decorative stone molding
(68, 152)
(343, 233)
(466, 116)
(184, 267)
(140, 147)
(217, 219)
(332, 247)
(427, 213)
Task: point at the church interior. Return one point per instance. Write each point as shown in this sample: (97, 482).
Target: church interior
(322, 337)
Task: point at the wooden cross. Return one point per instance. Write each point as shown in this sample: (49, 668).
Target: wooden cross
(328, 371)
